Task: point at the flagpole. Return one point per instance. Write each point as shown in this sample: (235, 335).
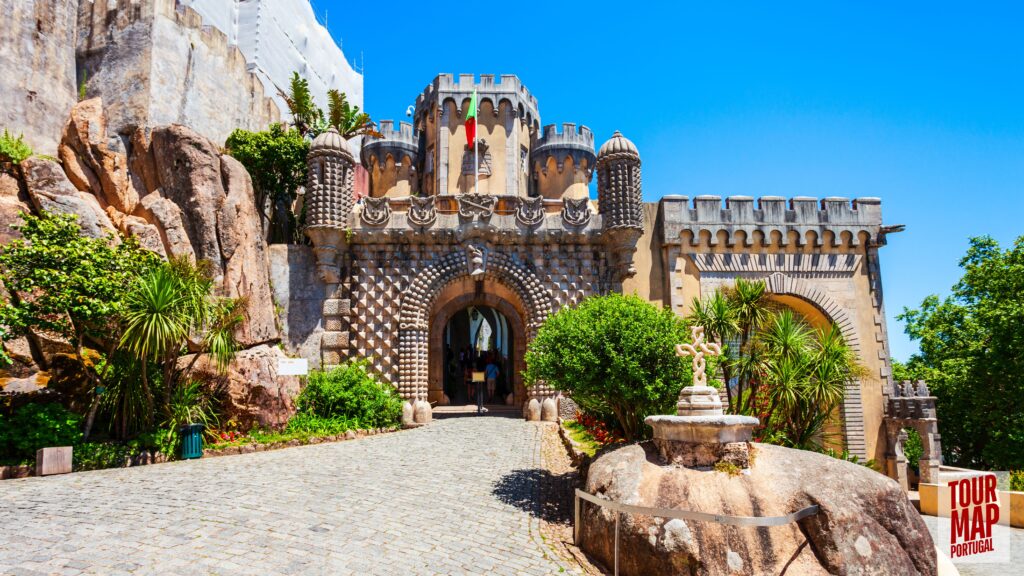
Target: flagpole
(476, 150)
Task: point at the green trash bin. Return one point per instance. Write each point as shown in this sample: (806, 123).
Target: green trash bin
(191, 441)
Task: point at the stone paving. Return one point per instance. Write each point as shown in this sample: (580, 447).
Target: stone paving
(454, 497)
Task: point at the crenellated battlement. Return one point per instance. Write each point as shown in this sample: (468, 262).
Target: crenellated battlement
(508, 88)
(773, 218)
(399, 144)
(572, 141)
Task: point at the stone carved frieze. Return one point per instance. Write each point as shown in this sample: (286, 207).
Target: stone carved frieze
(376, 211)
(422, 211)
(530, 211)
(576, 211)
(478, 205)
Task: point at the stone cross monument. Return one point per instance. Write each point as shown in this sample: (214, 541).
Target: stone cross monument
(700, 435)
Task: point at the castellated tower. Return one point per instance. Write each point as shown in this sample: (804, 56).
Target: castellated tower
(563, 162)
(393, 160)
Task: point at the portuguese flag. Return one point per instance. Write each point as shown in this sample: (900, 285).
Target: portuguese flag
(471, 122)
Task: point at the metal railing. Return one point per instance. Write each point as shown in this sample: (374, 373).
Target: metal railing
(620, 509)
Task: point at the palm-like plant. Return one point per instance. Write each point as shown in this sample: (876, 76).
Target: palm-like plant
(346, 118)
(306, 116)
(791, 376)
(170, 305)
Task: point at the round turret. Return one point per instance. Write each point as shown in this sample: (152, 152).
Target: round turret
(619, 192)
(329, 181)
(564, 161)
(618, 144)
(392, 159)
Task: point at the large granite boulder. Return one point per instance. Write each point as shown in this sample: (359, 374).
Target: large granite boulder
(203, 203)
(866, 524)
(94, 161)
(11, 205)
(49, 189)
(253, 392)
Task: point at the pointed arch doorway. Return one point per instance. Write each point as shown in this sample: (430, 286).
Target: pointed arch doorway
(473, 322)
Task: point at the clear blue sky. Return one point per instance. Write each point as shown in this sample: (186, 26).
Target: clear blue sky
(920, 104)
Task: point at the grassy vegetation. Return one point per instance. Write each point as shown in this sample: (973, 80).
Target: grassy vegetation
(581, 437)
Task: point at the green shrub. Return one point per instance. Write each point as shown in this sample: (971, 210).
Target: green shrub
(100, 455)
(319, 426)
(35, 426)
(352, 394)
(1017, 480)
(912, 448)
(615, 356)
(12, 149)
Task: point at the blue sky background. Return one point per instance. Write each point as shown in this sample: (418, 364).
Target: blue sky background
(921, 104)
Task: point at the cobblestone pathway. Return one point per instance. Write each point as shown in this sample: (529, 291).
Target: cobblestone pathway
(454, 497)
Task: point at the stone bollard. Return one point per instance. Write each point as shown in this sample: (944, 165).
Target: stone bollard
(421, 412)
(407, 414)
(549, 410)
(532, 410)
(51, 461)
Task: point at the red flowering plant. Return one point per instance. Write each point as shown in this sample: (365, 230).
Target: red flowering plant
(601, 432)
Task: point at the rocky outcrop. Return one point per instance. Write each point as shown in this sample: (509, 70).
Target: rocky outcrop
(866, 524)
(252, 392)
(49, 189)
(203, 203)
(94, 161)
(11, 205)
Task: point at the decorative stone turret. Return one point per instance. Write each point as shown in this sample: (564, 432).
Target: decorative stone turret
(393, 160)
(620, 201)
(563, 162)
(619, 193)
(329, 187)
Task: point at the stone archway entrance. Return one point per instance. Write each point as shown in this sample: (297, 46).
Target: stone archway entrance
(451, 308)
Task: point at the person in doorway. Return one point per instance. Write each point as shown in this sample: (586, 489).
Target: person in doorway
(491, 373)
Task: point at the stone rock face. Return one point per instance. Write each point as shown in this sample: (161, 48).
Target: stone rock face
(254, 393)
(203, 202)
(50, 190)
(866, 524)
(94, 162)
(11, 204)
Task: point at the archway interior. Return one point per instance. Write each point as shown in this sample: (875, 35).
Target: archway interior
(478, 339)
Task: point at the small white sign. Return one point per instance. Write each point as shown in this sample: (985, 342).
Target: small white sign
(292, 366)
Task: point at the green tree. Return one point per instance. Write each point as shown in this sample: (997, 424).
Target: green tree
(615, 355)
(970, 353)
(276, 160)
(68, 285)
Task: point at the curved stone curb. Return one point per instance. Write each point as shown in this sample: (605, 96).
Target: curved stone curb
(255, 447)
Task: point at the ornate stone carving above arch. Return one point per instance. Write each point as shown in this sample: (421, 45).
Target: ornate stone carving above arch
(783, 285)
(852, 406)
(418, 301)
